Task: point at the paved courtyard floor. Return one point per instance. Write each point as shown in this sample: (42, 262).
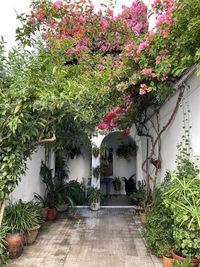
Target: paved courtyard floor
(107, 238)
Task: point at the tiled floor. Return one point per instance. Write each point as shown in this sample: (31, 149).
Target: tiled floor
(107, 238)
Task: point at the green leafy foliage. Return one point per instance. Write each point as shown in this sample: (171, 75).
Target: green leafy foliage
(94, 195)
(182, 198)
(158, 230)
(75, 191)
(20, 217)
(3, 252)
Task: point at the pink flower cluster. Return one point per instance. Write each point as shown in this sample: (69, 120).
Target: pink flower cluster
(149, 71)
(136, 16)
(144, 89)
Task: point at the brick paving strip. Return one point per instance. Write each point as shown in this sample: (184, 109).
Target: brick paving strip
(107, 238)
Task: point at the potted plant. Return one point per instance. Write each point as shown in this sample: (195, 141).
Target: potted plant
(44, 205)
(95, 150)
(182, 198)
(126, 150)
(20, 218)
(94, 198)
(97, 171)
(117, 183)
(36, 218)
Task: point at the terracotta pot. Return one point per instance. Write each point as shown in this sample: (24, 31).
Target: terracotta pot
(167, 262)
(31, 235)
(44, 212)
(15, 244)
(52, 214)
(143, 217)
(175, 256)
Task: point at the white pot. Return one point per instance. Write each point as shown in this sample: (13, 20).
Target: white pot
(95, 206)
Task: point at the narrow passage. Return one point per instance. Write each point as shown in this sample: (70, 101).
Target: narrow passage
(107, 238)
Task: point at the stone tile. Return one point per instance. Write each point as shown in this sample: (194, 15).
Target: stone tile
(107, 238)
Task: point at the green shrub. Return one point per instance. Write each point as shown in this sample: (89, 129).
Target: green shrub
(158, 229)
(3, 252)
(20, 217)
(182, 198)
(75, 191)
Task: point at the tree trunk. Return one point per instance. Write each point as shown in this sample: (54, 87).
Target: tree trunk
(2, 207)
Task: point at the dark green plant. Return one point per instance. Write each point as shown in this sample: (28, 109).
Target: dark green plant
(20, 217)
(130, 184)
(182, 198)
(56, 188)
(42, 200)
(97, 171)
(137, 197)
(75, 191)
(3, 252)
(94, 195)
(125, 150)
(117, 183)
(158, 234)
(95, 150)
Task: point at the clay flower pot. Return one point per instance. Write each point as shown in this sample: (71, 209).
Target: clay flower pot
(44, 212)
(143, 217)
(52, 214)
(31, 235)
(175, 256)
(15, 244)
(167, 262)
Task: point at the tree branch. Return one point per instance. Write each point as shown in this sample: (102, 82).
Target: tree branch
(47, 140)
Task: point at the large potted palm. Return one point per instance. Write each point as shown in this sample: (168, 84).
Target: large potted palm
(56, 193)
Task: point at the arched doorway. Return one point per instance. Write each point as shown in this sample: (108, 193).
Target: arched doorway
(118, 168)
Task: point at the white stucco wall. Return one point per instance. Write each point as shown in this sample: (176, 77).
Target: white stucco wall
(173, 135)
(79, 167)
(31, 182)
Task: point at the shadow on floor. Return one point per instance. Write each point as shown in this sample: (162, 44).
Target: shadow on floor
(116, 200)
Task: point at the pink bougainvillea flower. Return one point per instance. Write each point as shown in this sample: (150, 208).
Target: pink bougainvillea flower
(144, 89)
(126, 131)
(147, 71)
(102, 126)
(104, 23)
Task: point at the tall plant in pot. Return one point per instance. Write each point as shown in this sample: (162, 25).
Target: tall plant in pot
(56, 191)
(94, 198)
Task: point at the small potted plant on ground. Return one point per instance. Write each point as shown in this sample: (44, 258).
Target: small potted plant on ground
(43, 204)
(94, 198)
(20, 218)
(23, 220)
(117, 183)
(36, 219)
